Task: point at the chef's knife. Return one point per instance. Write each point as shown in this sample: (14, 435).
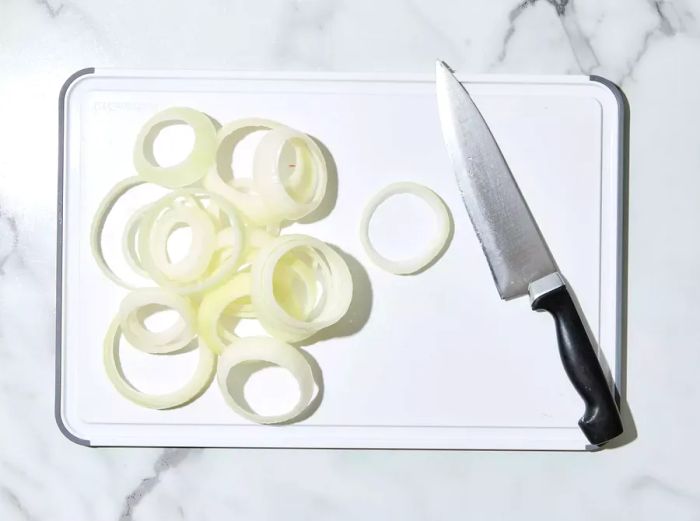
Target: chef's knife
(517, 254)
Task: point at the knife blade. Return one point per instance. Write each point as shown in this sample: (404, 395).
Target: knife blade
(516, 251)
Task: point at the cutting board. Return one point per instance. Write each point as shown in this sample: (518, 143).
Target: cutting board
(434, 360)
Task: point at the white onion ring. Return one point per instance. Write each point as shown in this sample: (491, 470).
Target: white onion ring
(195, 386)
(98, 224)
(294, 269)
(139, 336)
(437, 243)
(214, 276)
(239, 191)
(286, 195)
(130, 241)
(262, 349)
(194, 166)
(337, 289)
(202, 246)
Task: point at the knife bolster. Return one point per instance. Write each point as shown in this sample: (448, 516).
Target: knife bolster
(540, 287)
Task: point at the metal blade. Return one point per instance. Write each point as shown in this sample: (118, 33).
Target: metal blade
(509, 236)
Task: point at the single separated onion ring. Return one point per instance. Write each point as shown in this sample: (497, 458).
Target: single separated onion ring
(301, 192)
(131, 315)
(206, 367)
(239, 191)
(337, 288)
(437, 243)
(155, 266)
(263, 349)
(194, 166)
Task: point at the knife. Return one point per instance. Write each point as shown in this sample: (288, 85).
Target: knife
(518, 256)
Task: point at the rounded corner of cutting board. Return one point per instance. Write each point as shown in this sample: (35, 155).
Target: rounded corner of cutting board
(72, 81)
(609, 95)
(68, 429)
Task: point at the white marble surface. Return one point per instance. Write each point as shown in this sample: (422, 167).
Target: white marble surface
(651, 48)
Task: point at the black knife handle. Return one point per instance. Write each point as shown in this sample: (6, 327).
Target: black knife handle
(601, 420)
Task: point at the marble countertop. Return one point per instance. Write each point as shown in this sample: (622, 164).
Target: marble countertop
(649, 47)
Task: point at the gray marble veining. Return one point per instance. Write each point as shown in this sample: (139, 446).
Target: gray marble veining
(169, 459)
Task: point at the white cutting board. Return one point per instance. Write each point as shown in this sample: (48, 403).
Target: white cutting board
(441, 361)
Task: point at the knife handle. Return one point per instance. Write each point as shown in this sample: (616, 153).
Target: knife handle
(601, 420)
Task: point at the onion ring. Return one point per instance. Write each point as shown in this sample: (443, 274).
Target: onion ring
(206, 367)
(287, 274)
(239, 191)
(194, 166)
(212, 276)
(303, 191)
(98, 223)
(437, 243)
(262, 349)
(138, 335)
(202, 245)
(130, 241)
(337, 288)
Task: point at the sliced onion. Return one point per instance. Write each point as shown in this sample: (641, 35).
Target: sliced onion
(434, 247)
(195, 263)
(288, 275)
(137, 303)
(98, 224)
(130, 242)
(194, 166)
(239, 191)
(235, 226)
(262, 349)
(300, 193)
(215, 274)
(337, 284)
(206, 367)
(213, 307)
